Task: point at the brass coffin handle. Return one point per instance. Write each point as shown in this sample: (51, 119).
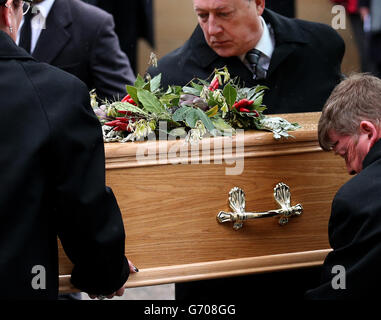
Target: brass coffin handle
(282, 196)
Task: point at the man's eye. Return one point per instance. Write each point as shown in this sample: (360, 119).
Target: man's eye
(224, 14)
(203, 16)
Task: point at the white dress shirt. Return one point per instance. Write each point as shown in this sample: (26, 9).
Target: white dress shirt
(38, 21)
(265, 45)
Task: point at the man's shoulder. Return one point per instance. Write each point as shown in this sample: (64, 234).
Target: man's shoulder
(84, 11)
(301, 30)
(321, 38)
(50, 79)
(318, 30)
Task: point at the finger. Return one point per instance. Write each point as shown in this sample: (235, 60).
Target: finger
(133, 269)
(120, 292)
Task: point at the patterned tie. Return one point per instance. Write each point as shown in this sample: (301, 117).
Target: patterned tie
(253, 58)
(26, 31)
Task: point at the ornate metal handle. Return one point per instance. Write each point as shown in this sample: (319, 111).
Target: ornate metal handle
(237, 201)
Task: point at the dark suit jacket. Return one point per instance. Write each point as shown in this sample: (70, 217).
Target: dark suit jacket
(355, 235)
(80, 39)
(52, 182)
(133, 20)
(304, 68)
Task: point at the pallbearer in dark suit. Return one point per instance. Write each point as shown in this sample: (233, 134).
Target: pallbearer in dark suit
(350, 125)
(80, 39)
(302, 59)
(52, 180)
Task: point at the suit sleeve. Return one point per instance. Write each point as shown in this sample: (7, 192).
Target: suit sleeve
(90, 225)
(109, 65)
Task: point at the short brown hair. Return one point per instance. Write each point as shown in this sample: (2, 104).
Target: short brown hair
(355, 99)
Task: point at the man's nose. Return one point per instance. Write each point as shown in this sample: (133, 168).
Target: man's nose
(214, 27)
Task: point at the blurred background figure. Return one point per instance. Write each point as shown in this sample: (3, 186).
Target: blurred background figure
(353, 12)
(80, 39)
(133, 20)
(365, 19)
(370, 11)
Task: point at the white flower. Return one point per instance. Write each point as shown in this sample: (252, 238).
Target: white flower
(196, 134)
(93, 99)
(140, 129)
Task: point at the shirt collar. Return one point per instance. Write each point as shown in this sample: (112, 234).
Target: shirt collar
(266, 43)
(44, 7)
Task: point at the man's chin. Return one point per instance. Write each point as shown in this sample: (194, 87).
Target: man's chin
(224, 52)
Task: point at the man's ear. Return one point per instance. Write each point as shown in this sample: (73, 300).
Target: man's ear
(5, 16)
(373, 132)
(260, 4)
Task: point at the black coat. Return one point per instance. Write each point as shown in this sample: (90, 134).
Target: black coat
(355, 236)
(52, 182)
(80, 39)
(304, 69)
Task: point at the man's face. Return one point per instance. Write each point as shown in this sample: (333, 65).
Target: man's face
(231, 27)
(352, 148)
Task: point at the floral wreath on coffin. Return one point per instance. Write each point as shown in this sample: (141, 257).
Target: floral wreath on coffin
(218, 107)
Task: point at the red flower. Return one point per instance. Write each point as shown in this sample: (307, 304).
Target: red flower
(214, 85)
(128, 99)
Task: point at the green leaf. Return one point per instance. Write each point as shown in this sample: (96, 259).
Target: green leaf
(150, 102)
(176, 90)
(205, 119)
(133, 92)
(230, 94)
(155, 83)
(223, 126)
(125, 106)
(211, 101)
(178, 132)
(191, 117)
(167, 98)
(261, 108)
(139, 82)
(190, 90)
(260, 88)
(180, 114)
(198, 87)
(147, 86)
(212, 112)
(258, 101)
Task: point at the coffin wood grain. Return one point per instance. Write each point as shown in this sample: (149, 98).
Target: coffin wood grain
(169, 211)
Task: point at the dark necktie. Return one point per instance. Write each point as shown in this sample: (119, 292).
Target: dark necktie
(253, 58)
(26, 32)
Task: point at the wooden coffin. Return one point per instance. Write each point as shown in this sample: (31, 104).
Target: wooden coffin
(169, 210)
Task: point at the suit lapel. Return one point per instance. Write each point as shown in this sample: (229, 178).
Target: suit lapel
(55, 36)
(288, 37)
(280, 54)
